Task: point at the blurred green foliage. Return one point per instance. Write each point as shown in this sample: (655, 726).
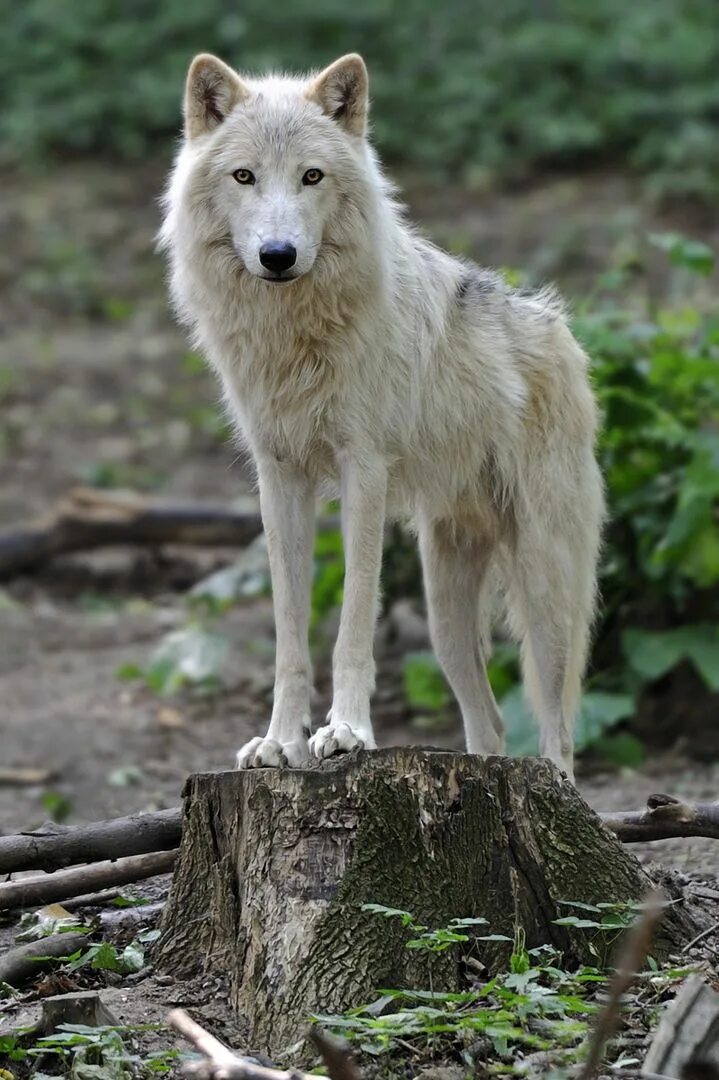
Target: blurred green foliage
(657, 379)
(468, 89)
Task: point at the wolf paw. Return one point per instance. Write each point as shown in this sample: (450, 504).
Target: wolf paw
(267, 753)
(339, 738)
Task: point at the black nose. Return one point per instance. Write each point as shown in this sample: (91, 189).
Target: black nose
(278, 256)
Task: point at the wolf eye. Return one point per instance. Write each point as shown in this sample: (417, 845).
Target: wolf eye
(244, 176)
(312, 176)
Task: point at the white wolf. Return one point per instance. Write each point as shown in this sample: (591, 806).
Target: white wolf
(355, 356)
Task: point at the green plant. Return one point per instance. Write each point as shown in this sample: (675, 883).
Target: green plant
(607, 921)
(104, 956)
(57, 805)
(467, 92)
(426, 691)
(535, 1005)
(329, 574)
(85, 1052)
(98, 1052)
(192, 655)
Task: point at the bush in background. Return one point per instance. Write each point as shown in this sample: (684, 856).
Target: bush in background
(468, 90)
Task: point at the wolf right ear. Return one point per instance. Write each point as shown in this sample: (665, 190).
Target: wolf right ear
(341, 92)
(212, 91)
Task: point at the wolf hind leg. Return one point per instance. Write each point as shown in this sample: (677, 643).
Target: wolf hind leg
(551, 607)
(455, 567)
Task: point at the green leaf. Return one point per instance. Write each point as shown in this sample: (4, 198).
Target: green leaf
(192, 654)
(424, 683)
(146, 937)
(622, 749)
(128, 672)
(574, 920)
(522, 737)
(580, 904)
(390, 913)
(247, 577)
(125, 776)
(682, 251)
(599, 711)
(132, 957)
(129, 901)
(106, 958)
(58, 806)
(653, 653)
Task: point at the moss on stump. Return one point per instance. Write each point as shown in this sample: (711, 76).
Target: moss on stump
(275, 866)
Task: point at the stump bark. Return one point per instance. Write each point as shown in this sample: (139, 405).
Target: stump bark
(275, 866)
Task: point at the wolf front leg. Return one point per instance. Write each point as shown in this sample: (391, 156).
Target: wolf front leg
(364, 494)
(287, 505)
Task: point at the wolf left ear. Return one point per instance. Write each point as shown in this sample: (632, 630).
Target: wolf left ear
(341, 90)
(211, 93)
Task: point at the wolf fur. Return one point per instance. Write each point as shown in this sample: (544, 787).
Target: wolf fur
(411, 383)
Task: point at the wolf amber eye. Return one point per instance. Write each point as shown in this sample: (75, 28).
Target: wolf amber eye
(312, 176)
(244, 176)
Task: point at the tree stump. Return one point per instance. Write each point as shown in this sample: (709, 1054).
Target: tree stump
(275, 866)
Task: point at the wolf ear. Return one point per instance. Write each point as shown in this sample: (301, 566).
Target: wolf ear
(341, 92)
(212, 91)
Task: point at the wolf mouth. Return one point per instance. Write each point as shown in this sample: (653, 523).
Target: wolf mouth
(278, 280)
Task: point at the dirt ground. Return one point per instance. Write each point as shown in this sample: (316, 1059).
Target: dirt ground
(98, 386)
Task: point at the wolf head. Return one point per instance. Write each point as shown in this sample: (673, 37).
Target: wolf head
(274, 159)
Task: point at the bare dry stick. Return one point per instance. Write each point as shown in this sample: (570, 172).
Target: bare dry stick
(36, 891)
(664, 817)
(338, 1060)
(221, 1063)
(24, 777)
(631, 958)
(76, 903)
(49, 848)
(89, 518)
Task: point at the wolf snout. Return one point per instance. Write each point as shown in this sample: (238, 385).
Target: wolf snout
(278, 255)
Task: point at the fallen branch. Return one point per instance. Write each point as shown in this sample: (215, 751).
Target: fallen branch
(24, 777)
(19, 965)
(664, 817)
(221, 1063)
(630, 961)
(76, 903)
(686, 1043)
(129, 916)
(49, 848)
(90, 518)
(37, 891)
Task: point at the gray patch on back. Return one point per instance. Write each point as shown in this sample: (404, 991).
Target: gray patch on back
(475, 284)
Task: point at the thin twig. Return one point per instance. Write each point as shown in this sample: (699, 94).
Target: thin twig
(338, 1060)
(631, 960)
(222, 1064)
(700, 937)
